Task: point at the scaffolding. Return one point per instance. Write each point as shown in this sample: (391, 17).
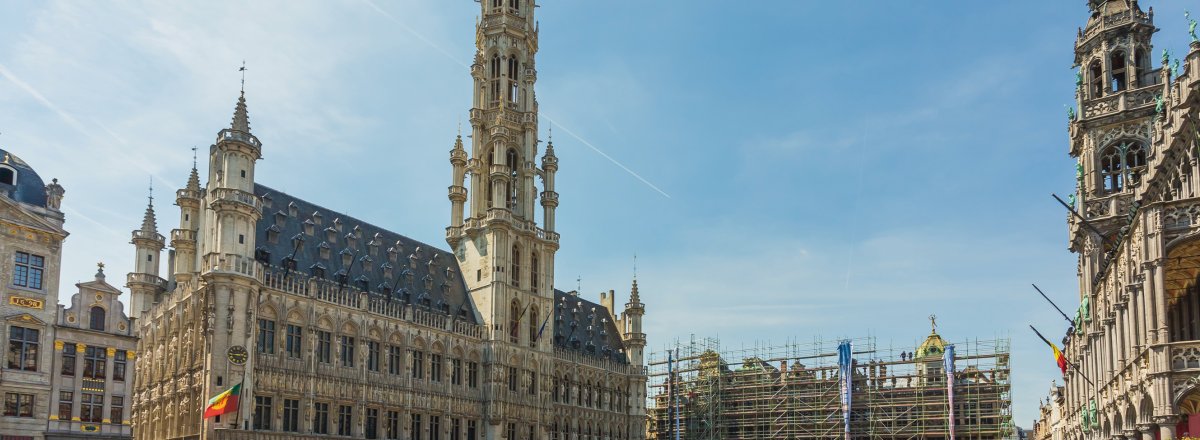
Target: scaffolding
(792, 391)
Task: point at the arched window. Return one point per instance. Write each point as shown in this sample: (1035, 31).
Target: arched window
(514, 5)
(8, 176)
(512, 160)
(1117, 64)
(514, 319)
(533, 270)
(96, 318)
(1096, 79)
(1140, 62)
(494, 75)
(513, 69)
(533, 326)
(515, 273)
(1122, 165)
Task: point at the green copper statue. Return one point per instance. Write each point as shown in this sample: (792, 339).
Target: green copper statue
(1079, 77)
(1191, 26)
(1079, 171)
(1160, 104)
(1070, 113)
(1166, 57)
(1071, 201)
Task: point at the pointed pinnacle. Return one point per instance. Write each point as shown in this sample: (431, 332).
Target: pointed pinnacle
(241, 118)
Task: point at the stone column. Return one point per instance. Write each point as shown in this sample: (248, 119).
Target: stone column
(1166, 427)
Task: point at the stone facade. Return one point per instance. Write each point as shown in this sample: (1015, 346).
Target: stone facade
(335, 327)
(1135, 343)
(93, 371)
(31, 238)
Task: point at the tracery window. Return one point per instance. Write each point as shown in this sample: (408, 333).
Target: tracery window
(1121, 166)
(533, 270)
(512, 159)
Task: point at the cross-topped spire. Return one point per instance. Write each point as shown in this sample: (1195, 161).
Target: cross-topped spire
(243, 70)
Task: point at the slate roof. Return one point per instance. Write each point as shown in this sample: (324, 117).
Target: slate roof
(584, 326)
(29, 188)
(338, 247)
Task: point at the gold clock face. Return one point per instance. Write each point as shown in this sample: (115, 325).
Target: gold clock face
(237, 354)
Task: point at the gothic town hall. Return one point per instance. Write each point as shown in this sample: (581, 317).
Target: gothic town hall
(333, 326)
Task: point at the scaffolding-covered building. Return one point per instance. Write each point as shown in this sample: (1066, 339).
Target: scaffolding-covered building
(794, 391)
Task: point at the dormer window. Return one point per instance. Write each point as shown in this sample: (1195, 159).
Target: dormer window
(293, 210)
(331, 235)
(263, 255)
(8, 176)
(317, 270)
(317, 218)
(309, 227)
(324, 250)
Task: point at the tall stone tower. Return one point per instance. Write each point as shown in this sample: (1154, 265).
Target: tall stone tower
(1115, 92)
(227, 266)
(506, 257)
(145, 286)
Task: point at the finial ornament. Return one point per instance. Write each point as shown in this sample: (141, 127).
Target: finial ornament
(635, 266)
(1191, 26)
(100, 265)
(243, 70)
(151, 196)
(194, 157)
(933, 322)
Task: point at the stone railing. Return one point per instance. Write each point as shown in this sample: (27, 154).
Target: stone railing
(238, 434)
(145, 278)
(187, 194)
(183, 235)
(1115, 204)
(1115, 20)
(507, 19)
(237, 196)
(1180, 214)
(299, 284)
(231, 264)
(143, 235)
(1121, 101)
(605, 364)
(237, 135)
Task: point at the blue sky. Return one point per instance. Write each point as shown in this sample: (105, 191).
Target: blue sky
(827, 169)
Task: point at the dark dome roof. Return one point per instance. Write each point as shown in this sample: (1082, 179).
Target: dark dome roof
(29, 187)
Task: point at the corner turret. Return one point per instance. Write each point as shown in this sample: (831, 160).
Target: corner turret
(144, 284)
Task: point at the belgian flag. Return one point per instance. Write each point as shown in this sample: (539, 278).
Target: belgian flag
(1058, 355)
(223, 403)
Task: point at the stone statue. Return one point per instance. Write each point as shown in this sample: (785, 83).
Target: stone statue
(1191, 26)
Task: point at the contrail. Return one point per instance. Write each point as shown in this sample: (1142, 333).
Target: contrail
(74, 123)
(606, 156)
(560, 126)
(414, 32)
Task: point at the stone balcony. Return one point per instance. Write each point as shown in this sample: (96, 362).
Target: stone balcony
(145, 278)
(234, 264)
(237, 197)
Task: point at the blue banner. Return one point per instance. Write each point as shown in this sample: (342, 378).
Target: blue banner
(846, 376)
(948, 360)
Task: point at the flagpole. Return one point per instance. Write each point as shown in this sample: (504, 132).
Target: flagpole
(1064, 315)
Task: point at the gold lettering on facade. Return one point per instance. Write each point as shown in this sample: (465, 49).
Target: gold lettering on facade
(29, 303)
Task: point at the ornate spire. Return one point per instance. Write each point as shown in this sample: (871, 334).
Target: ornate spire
(633, 294)
(149, 223)
(241, 118)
